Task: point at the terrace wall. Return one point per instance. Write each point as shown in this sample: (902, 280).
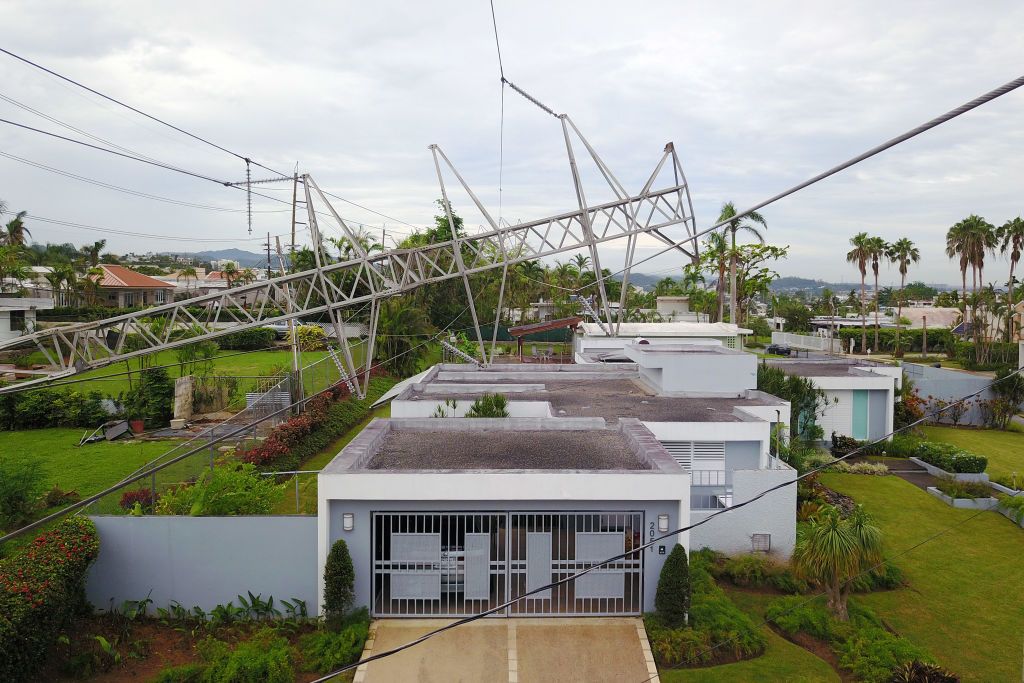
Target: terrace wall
(203, 561)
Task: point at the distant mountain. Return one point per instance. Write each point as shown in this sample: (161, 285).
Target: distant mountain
(246, 259)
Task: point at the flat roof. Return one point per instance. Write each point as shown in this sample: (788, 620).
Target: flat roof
(443, 449)
(817, 368)
(610, 399)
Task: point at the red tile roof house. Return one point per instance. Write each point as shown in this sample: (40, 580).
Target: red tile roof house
(124, 288)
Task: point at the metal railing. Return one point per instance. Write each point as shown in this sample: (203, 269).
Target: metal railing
(716, 498)
(294, 474)
(708, 477)
(800, 341)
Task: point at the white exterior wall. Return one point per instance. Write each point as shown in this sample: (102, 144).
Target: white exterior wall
(714, 431)
(774, 514)
(506, 489)
(707, 373)
(841, 415)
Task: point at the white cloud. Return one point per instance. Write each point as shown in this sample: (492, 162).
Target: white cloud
(756, 97)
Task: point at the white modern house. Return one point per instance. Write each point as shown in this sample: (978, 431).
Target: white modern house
(860, 397)
(446, 516)
(18, 314)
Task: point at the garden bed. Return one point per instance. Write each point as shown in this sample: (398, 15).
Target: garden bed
(959, 476)
(963, 503)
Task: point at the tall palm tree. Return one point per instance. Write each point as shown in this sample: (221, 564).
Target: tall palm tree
(92, 252)
(860, 255)
(716, 248)
(401, 331)
(956, 248)
(879, 248)
(56, 281)
(230, 271)
(902, 252)
(1011, 238)
(581, 262)
(16, 230)
(189, 274)
(728, 213)
(830, 551)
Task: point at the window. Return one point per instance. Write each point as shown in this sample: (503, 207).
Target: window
(17, 321)
(129, 299)
(697, 455)
(161, 296)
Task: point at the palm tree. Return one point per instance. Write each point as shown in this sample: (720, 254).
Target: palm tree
(1011, 238)
(903, 252)
(716, 247)
(16, 230)
(247, 276)
(91, 284)
(879, 248)
(956, 247)
(92, 253)
(401, 332)
(830, 551)
(56, 280)
(581, 262)
(189, 274)
(728, 213)
(230, 271)
(860, 255)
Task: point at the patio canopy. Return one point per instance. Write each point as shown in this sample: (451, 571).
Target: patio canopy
(532, 328)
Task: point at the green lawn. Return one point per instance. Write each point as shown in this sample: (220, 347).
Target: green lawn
(782, 660)
(307, 482)
(963, 602)
(1004, 450)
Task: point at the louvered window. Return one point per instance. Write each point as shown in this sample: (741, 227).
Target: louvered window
(697, 455)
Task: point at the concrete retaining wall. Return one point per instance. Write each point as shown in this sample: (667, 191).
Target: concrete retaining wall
(964, 503)
(203, 561)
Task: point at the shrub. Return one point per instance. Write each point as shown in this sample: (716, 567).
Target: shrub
(922, 672)
(41, 589)
(963, 489)
(875, 468)
(311, 337)
(144, 497)
(489, 405)
(186, 673)
(902, 446)
(1001, 355)
(1014, 505)
(798, 615)
(58, 497)
(291, 444)
(326, 651)
(246, 340)
(52, 408)
(265, 658)
(872, 653)
(1013, 480)
(224, 490)
(748, 570)
(339, 580)
(672, 598)
(21, 482)
(950, 458)
(678, 647)
(885, 577)
(151, 398)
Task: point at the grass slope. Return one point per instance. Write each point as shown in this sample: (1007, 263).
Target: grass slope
(781, 661)
(1004, 450)
(964, 599)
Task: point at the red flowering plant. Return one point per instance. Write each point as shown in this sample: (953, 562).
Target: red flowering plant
(41, 589)
(143, 497)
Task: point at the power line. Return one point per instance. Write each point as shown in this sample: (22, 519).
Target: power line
(928, 125)
(655, 540)
(126, 190)
(148, 236)
(140, 112)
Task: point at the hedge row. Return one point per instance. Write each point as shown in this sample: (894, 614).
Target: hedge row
(1001, 355)
(51, 408)
(940, 339)
(950, 458)
(300, 438)
(41, 589)
(246, 340)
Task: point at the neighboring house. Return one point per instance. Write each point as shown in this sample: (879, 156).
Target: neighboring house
(932, 316)
(675, 309)
(445, 517)
(123, 287)
(592, 345)
(860, 398)
(18, 314)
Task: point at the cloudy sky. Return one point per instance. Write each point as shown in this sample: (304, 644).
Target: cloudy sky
(756, 97)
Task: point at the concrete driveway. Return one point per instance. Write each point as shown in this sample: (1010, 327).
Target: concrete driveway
(512, 651)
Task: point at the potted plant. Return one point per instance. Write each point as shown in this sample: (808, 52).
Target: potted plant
(134, 406)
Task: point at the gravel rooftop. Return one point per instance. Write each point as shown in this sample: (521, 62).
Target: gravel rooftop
(499, 449)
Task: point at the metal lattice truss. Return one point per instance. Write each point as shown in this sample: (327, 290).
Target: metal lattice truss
(344, 289)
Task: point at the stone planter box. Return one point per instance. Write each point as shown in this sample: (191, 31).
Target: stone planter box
(959, 476)
(1004, 489)
(1005, 513)
(964, 503)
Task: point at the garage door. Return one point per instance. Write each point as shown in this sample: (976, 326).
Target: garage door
(458, 563)
(837, 416)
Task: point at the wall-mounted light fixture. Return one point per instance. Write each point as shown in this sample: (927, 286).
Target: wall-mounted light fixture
(662, 523)
(348, 521)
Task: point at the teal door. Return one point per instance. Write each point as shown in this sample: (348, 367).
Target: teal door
(860, 414)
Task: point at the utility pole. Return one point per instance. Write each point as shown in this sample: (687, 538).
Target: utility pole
(267, 245)
(295, 197)
(296, 365)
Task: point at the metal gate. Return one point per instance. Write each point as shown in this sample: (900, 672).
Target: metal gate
(458, 563)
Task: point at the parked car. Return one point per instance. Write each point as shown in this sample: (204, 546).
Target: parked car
(779, 350)
(280, 329)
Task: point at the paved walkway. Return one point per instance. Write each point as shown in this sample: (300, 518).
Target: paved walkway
(513, 651)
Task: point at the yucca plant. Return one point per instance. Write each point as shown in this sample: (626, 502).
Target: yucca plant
(831, 550)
